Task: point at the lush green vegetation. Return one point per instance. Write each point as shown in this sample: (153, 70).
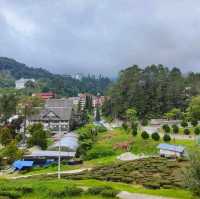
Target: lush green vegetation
(44, 189)
(171, 193)
(152, 91)
(116, 139)
(34, 188)
(152, 172)
(46, 81)
(192, 174)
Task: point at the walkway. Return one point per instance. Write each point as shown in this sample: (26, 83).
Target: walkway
(128, 195)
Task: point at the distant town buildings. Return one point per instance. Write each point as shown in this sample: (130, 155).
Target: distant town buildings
(96, 100)
(77, 76)
(20, 84)
(45, 96)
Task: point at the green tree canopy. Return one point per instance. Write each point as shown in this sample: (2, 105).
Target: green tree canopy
(194, 108)
(5, 136)
(38, 136)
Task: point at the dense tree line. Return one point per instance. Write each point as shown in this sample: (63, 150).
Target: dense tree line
(46, 81)
(152, 91)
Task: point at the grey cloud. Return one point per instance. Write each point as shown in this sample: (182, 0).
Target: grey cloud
(101, 36)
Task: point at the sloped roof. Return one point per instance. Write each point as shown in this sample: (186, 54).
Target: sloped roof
(54, 114)
(55, 109)
(59, 103)
(20, 164)
(171, 147)
(42, 153)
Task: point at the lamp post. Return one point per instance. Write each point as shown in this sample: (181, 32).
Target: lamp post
(59, 153)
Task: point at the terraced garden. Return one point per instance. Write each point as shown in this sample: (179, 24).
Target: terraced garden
(154, 173)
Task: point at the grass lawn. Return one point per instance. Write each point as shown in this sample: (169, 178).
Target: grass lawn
(173, 193)
(52, 169)
(42, 188)
(110, 139)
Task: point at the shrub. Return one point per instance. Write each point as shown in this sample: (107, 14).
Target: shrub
(73, 191)
(166, 128)
(145, 135)
(166, 138)
(155, 136)
(152, 185)
(105, 191)
(25, 189)
(101, 129)
(99, 152)
(184, 124)
(124, 126)
(134, 132)
(197, 130)
(67, 191)
(11, 194)
(186, 131)
(134, 129)
(144, 122)
(194, 122)
(175, 129)
(97, 190)
(109, 193)
(56, 193)
(192, 174)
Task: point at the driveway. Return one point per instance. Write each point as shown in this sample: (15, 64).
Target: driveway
(128, 195)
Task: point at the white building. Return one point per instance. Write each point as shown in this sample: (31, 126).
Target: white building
(20, 83)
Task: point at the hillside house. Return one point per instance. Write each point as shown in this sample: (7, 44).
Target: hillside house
(57, 114)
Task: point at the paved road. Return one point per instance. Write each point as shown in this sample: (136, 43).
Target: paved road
(152, 129)
(127, 195)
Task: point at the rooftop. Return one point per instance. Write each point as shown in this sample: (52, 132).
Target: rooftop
(171, 147)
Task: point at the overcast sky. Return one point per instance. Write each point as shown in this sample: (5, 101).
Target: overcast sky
(101, 36)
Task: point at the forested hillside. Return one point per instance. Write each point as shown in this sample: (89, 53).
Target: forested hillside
(46, 81)
(151, 91)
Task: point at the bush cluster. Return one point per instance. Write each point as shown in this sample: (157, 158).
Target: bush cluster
(155, 136)
(166, 137)
(145, 135)
(186, 131)
(99, 152)
(105, 191)
(67, 191)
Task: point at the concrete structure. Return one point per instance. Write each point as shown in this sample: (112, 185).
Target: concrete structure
(161, 122)
(168, 150)
(20, 84)
(96, 100)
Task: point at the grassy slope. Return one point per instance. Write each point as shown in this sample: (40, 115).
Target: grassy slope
(173, 193)
(110, 139)
(41, 188)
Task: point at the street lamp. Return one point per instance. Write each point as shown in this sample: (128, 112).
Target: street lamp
(59, 153)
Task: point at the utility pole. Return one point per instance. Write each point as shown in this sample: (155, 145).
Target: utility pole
(59, 153)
